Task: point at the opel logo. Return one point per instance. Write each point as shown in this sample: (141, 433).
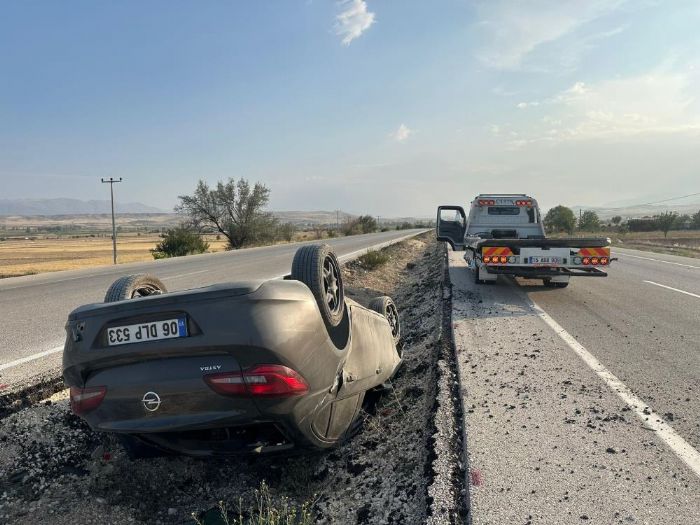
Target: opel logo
(151, 401)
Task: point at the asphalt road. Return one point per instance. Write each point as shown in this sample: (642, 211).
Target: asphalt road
(34, 308)
(583, 407)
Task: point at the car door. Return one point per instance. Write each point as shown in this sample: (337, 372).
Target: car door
(451, 225)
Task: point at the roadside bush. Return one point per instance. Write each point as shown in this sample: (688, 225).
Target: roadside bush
(179, 241)
(373, 259)
(358, 225)
(286, 231)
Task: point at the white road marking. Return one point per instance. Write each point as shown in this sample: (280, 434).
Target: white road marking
(186, 274)
(658, 260)
(689, 455)
(29, 358)
(674, 289)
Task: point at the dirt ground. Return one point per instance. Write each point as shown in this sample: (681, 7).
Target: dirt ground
(54, 469)
(686, 243)
(28, 257)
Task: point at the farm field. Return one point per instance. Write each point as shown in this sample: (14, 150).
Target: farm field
(28, 257)
(678, 242)
(681, 242)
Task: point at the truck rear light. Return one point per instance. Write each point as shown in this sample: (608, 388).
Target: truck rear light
(503, 259)
(523, 203)
(595, 261)
(604, 260)
(487, 202)
(260, 380)
(487, 259)
(84, 400)
(586, 260)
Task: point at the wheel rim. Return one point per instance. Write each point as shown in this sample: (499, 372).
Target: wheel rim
(331, 284)
(392, 315)
(145, 290)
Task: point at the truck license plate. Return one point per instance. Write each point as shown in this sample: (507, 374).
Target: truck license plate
(139, 333)
(545, 260)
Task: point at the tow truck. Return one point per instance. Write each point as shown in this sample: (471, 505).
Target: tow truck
(504, 235)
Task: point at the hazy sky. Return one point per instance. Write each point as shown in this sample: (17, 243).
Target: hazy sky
(383, 107)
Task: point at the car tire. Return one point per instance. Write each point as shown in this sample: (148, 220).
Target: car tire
(318, 268)
(386, 307)
(133, 286)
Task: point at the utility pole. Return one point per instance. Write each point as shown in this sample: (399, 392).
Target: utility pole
(111, 183)
(337, 220)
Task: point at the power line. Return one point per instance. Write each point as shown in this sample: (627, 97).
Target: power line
(655, 202)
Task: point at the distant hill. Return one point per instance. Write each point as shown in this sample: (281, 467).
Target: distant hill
(30, 207)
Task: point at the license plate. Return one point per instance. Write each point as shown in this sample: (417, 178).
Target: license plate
(545, 260)
(139, 333)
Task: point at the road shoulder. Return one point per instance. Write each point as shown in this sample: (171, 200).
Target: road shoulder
(548, 441)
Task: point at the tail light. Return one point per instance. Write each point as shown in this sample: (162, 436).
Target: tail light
(260, 380)
(592, 261)
(503, 259)
(487, 259)
(523, 203)
(487, 202)
(84, 400)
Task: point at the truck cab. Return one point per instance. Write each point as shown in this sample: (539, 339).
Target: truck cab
(491, 216)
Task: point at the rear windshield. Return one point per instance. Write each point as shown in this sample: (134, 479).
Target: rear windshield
(504, 210)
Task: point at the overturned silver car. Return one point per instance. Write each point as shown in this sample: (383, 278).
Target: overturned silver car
(237, 367)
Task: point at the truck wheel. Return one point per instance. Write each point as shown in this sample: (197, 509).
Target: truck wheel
(318, 268)
(385, 306)
(133, 286)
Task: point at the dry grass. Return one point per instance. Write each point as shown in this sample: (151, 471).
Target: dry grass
(27, 257)
(686, 242)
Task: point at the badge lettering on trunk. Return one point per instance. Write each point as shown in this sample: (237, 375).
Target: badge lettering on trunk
(151, 401)
(209, 368)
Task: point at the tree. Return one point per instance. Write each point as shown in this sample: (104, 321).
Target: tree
(233, 209)
(665, 221)
(682, 222)
(560, 219)
(361, 224)
(589, 221)
(696, 221)
(616, 220)
(287, 231)
(368, 224)
(179, 241)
